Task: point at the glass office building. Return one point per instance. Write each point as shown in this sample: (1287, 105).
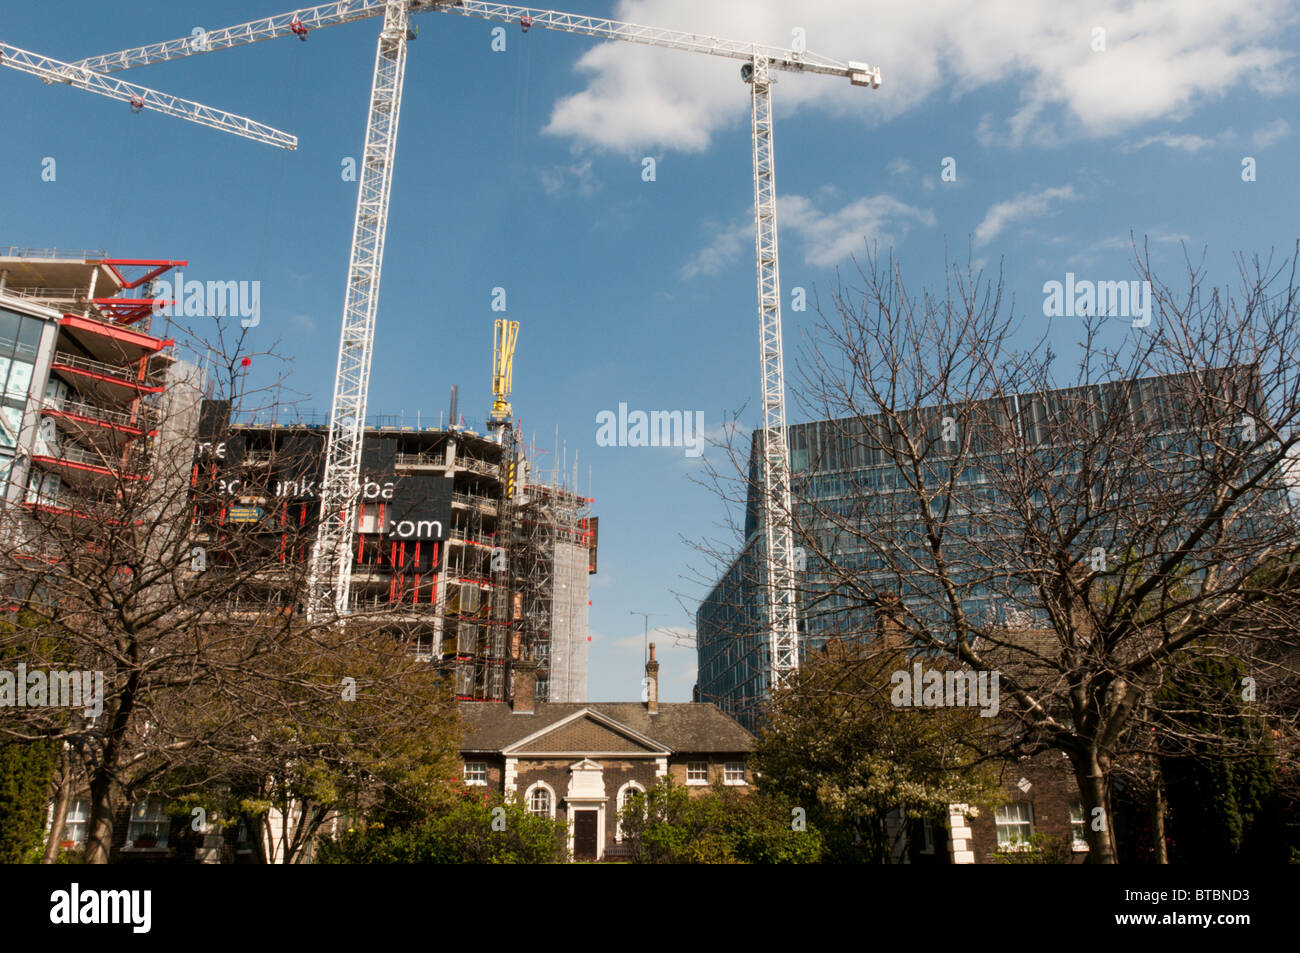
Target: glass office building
(859, 528)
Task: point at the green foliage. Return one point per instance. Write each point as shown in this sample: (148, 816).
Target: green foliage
(1039, 849)
(26, 772)
(721, 826)
(1219, 767)
(835, 745)
(473, 828)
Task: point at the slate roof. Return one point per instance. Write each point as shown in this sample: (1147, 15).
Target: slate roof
(680, 726)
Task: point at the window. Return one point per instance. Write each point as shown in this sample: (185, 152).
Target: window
(697, 772)
(74, 825)
(476, 772)
(1015, 823)
(540, 801)
(149, 825)
(625, 794)
(927, 836)
(733, 772)
(1078, 831)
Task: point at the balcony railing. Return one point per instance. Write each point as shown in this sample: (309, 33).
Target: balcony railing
(478, 502)
(71, 453)
(143, 419)
(124, 373)
(420, 460)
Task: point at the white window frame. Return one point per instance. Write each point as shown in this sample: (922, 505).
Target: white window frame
(75, 819)
(627, 788)
(154, 816)
(696, 764)
(472, 769)
(727, 769)
(1078, 828)
(1008, 828)
(550, 794)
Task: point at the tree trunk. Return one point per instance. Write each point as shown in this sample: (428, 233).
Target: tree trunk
(62, 800)
(99, 835)
(1094, 795)
(1158, 820)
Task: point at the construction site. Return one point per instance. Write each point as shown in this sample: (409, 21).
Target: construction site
(465, 546)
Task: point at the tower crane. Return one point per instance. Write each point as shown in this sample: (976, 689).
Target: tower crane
(504, 335)
(140, 98)
(330, 577)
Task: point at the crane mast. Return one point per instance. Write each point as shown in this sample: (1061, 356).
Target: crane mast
(330, 575)
(777, 577)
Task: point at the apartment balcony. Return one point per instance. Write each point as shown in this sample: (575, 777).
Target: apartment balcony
(104, 428)
(88, 468)
(106, 383)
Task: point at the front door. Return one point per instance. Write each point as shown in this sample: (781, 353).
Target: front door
(584, 835)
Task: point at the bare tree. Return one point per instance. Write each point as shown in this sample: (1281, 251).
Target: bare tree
(1079, 523)
(168, 592)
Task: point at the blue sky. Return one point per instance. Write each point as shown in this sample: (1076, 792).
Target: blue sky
(523, 169)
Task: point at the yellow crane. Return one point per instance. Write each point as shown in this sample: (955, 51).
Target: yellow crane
(504, 335)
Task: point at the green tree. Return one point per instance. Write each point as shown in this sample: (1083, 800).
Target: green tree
(836, 745)
(668, 825)
(471, 827)
(1218, 765)
(26, 771)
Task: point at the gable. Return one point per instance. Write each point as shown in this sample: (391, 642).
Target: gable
(584, 734)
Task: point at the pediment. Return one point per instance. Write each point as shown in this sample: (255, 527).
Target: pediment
(586, 733)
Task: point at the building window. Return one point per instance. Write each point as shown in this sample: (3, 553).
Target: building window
(1015, 823)
(927, 836)
(476, 772)
(541, 801)
(1078, 832)
(149, 825)
(697, 772)
(625, 794)
(74, 825)
(733, 772)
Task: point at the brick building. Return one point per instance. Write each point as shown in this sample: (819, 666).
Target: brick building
(581, 761)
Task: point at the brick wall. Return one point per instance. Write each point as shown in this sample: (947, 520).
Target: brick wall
(1051, 794)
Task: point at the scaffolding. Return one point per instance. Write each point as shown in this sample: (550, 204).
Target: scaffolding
(551, 560)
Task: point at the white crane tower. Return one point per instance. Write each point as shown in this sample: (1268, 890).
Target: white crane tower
(330, 571)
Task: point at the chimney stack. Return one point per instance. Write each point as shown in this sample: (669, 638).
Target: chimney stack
(652, 683)
(523, 687)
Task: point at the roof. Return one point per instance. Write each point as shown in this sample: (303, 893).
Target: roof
(680, 727)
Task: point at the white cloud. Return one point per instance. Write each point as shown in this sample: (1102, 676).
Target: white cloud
(1275, 131)
(1029, 205)
(1125, 243)
(899, 166)
(1188, 142)
(825, 237)
(1163, 58)
(577, 176)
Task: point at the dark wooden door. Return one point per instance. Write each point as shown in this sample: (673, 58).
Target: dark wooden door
(584, 835)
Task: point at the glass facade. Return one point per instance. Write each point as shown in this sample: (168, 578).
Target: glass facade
(859, 528)
(20, 338)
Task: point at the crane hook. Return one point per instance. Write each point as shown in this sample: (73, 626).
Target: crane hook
(298, 29)
(525, 22)
(137, 104)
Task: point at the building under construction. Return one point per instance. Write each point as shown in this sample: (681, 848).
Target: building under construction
(457, 550)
